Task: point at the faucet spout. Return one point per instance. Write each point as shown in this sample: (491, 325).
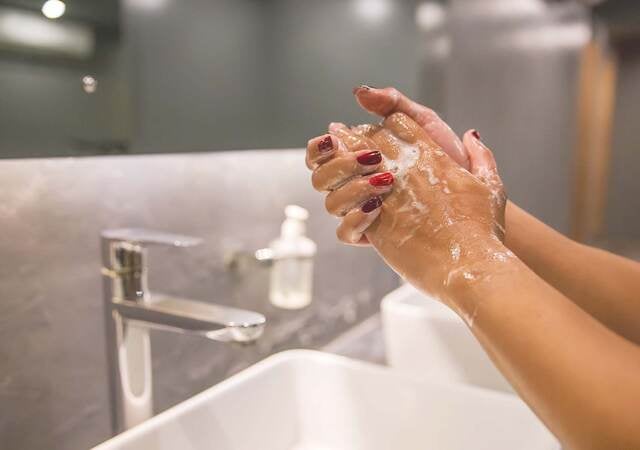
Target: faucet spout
(221, 323)
(131, 310)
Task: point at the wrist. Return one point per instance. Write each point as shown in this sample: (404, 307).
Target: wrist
(489, 264)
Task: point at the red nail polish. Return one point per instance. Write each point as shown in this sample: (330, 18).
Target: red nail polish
(475, 134)
(325, 144)
(383, 179)
(370, 158)
(371, 204)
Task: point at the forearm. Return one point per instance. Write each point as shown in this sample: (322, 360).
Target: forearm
(603, 284)
(580, 378)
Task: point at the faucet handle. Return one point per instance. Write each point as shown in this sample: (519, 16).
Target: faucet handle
(149, 237)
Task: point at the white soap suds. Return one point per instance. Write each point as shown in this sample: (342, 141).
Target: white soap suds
(455, 251)
(470, 318)
(417, 204)
(502, 256)
(433, 180)
(408, 155)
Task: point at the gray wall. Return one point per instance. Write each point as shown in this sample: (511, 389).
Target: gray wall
(623, 211)
(202, 75)
(46, 112)
(246, 74)
(512, 74)
(53, 388)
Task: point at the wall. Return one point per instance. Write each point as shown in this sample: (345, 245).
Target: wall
(623, 214)
(511, 73)
(53, 387)
(202, 75)
(246, 74)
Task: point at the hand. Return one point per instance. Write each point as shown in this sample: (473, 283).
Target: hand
(440, 221)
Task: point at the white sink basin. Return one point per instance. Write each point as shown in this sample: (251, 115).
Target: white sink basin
(304, 400)
(425, 338)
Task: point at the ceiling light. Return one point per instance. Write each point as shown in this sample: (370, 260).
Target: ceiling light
(53, 9)
(430, 15)
(373, 10)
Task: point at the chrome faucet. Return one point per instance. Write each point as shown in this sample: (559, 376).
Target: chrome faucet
(131, 310)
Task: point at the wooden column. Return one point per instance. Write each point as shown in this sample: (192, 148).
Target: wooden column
(597, 91)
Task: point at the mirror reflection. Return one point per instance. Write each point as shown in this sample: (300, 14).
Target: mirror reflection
(143, 76)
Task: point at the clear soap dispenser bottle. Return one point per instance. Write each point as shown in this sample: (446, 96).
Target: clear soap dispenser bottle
(292, 270)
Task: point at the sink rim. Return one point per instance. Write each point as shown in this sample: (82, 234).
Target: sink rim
(283, 357)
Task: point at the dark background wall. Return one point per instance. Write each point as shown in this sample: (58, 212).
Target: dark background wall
(623, 212)
(202, 75)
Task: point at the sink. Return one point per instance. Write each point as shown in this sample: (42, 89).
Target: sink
(307, 400)
(423, 337)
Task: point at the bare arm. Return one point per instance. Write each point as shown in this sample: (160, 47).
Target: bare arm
(579, 377)
(605, 285)
(441, 227)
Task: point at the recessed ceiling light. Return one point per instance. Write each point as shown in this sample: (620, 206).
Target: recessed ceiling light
(53, 9)
(373, 10)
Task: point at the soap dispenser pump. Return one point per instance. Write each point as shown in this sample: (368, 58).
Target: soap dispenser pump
(292, 270)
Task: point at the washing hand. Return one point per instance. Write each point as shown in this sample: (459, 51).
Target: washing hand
(434, 207)
(402, 187)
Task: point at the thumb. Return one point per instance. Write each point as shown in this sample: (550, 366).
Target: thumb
(386, 101)
(482, 164)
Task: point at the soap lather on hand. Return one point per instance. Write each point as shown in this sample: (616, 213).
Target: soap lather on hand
(396, 189)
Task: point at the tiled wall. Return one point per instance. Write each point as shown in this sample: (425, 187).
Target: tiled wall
(53, 390)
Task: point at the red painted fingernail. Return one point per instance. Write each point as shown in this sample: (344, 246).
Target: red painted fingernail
(325, 144)
(371, 204)
(370, 158)
(475, 134)
(383, 179)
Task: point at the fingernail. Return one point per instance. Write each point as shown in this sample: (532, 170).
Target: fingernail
(475, 134)
(383, 179)
(325, 144)
(370, 158)
(364, 87)
(371, 204)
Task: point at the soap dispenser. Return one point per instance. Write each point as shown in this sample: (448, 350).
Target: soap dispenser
(292, 269)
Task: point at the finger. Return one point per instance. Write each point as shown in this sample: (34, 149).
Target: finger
(356, 222)
(481, 161)
(385, 102)
(337, 171)
(408, 130)
(336, 127)
(358, 192)
(321, 149)
(353, 141)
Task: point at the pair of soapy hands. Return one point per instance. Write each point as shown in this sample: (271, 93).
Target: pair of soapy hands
(431, 204)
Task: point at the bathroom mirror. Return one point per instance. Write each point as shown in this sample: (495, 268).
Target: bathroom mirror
(88, 77)
(93, 77)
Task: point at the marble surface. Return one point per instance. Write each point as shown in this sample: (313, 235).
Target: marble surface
(53, 388)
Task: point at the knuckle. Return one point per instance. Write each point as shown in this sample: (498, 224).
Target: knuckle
(341, 235)
(311, 144)
(317, 180)
(332, 205)
(393, 91)
(345, 234)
